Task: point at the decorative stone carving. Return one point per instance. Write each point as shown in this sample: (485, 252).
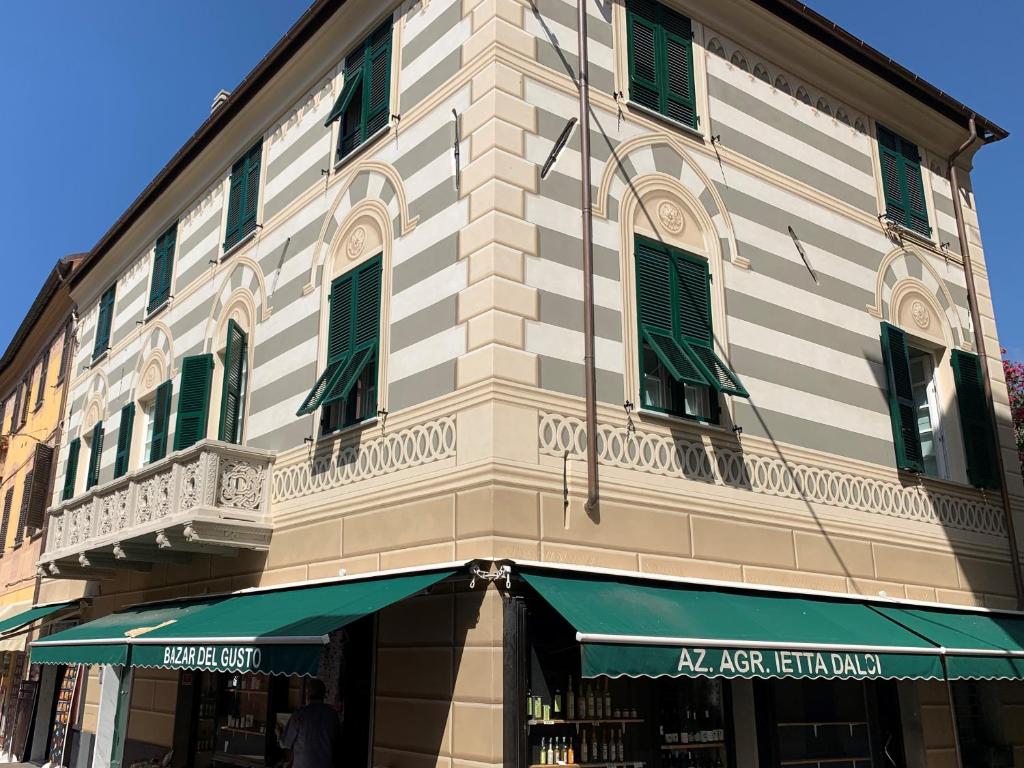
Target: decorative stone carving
(368, 457)
(356, 242)
(671, 217)
(241, 485)
(770, 475)
(189, 486)
(106, 517)
(921, 314)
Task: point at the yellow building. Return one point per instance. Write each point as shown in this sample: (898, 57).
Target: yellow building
(33, 376)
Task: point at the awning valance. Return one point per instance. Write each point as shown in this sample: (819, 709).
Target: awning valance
(631, 628)
(25, 617)
(279, 631)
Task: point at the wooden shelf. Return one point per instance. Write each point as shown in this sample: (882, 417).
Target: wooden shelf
(695, 745)
(247, 731)
(826, 761)
(603, 721)
(254, 692)
(627, 764)
(850, 723)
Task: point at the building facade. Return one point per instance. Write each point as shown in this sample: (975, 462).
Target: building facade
(343, 333)
(33, 379)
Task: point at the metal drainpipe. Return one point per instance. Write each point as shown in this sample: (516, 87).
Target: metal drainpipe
(979, 345)
(589, 370)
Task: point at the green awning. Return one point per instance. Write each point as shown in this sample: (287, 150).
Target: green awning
(641, 629)
(19, 620)
(976, 645)
(279, 631)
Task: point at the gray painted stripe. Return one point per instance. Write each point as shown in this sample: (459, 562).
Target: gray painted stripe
(288, 387)
(269, 348)
(952, 238)
(359, 187)
(792, 323)
(310, 177)
(190, 243)
(810, 434)
(424, 385)
(438, 75)
(288, 436)
(427, 262)
(434, 201)
(201, 266)
(565, 312)
(560, 376)
(794, 168)
(416, 158)
(564, 63)
(434, 31)
(316, 134)
(813, 381)
(197, 318)
(562, 188)
(795, 273)
(568, 250)
(791, 126)
(764, 213)
(551, 125)
(564, 13)
(421, 325)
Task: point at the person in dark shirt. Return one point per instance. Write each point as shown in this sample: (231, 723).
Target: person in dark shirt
(313, 733)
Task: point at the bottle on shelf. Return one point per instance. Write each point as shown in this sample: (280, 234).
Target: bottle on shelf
(581, 704)
(551, 752)
(620, 748)
(594, 753)
(604, 746)
(556, 708)
(570, 701)
(543, 751)
(607, 699)
(584, 747)
(591, 712)
(529, 704)
(570, 755)
(599, 712)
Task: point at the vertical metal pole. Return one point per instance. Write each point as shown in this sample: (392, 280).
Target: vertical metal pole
(979, 346)
(952, 714)
(124, 705)
(589, 367)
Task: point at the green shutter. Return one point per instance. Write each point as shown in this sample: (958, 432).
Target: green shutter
(244, 195)
(902, 181)
(653, 286)
(193, 401)
(674, 357)
(348, 91)
(71, 469)
(975, 420)
(95, 456)
(26, 493)
(163, 268)
(103, 322)
(643, 40)
(42, 463)
(124, 440)
(377, 94)
(679, 101)
(235, 351)
(693, 287)
(905, 436)
(161, 422)
(5, 524)
(353, 334)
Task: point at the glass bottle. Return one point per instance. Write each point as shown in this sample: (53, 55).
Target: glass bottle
(543, 751)
(529, 704)
(570, 755)
(599, 712)
(570, 702)
(590, 701)
(604, 746)
(607, 699)
(556, 709)
(594, 754)
(551, 752)
(581, 704)
(584, 748)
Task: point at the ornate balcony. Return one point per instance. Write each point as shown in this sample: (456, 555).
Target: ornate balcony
(212, 498)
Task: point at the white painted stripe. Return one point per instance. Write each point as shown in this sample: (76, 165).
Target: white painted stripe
(560, 217)
(428, 292)
(421, 16)
(285, 364)
(450, 41)
(565, 344)
(425, 354)
(436, 228)
(568, 281)
(276, 184)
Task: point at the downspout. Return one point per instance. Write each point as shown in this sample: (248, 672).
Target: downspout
(589, 369)
(979, 345)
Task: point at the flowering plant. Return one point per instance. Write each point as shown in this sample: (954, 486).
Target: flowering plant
(1014, 373)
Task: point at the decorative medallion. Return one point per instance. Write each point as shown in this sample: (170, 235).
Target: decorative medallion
(671, 217)
(356, 242)
(919, 311)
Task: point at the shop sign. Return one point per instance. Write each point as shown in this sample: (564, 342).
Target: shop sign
(236, 658)
(741, 662)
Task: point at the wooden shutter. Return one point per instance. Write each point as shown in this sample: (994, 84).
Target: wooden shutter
(95, 456)
(677, 65)
(163, 268)
(377, 80)
(231, 396)
(653, 286)
(693, 292)
(26, 492)
(42, 466)
(906, 439)
(975, 420)
(124, 440)
(252, 189)
(366, 317)
(161, 422)
(25, 400)
(339, 323)
(232, 234)
(44, 367)
(917, 209)
(103, 322)
(71, 469)
(193, 401)
(643, 36)
(6, 522)
(353, 79)
(902, 181)
(3, 413)
(16, 411)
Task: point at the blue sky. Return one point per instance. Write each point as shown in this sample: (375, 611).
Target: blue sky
(100, 95)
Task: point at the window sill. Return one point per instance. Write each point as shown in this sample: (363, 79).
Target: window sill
(673, 420)
(97, 358)
(371, 140)
(349, 429)
(229, 252)
(695, 132)
(151, 313)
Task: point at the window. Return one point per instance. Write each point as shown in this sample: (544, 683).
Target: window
(71, 469)
(26, 398)
(3, 414)
(159, 422)
(363, 104)
(95, 456)
(193, 401)
(124, 440)
(232, 403)
(43, 367)
(975, 421)
(347, 389)
(163, 268)
(660, 44)
(6, 523)
(16, 410)
(103, 322)
(245, 190)
(26, 493)
(902, 181)
(679, 370)
(928, 417)
(40, 486)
